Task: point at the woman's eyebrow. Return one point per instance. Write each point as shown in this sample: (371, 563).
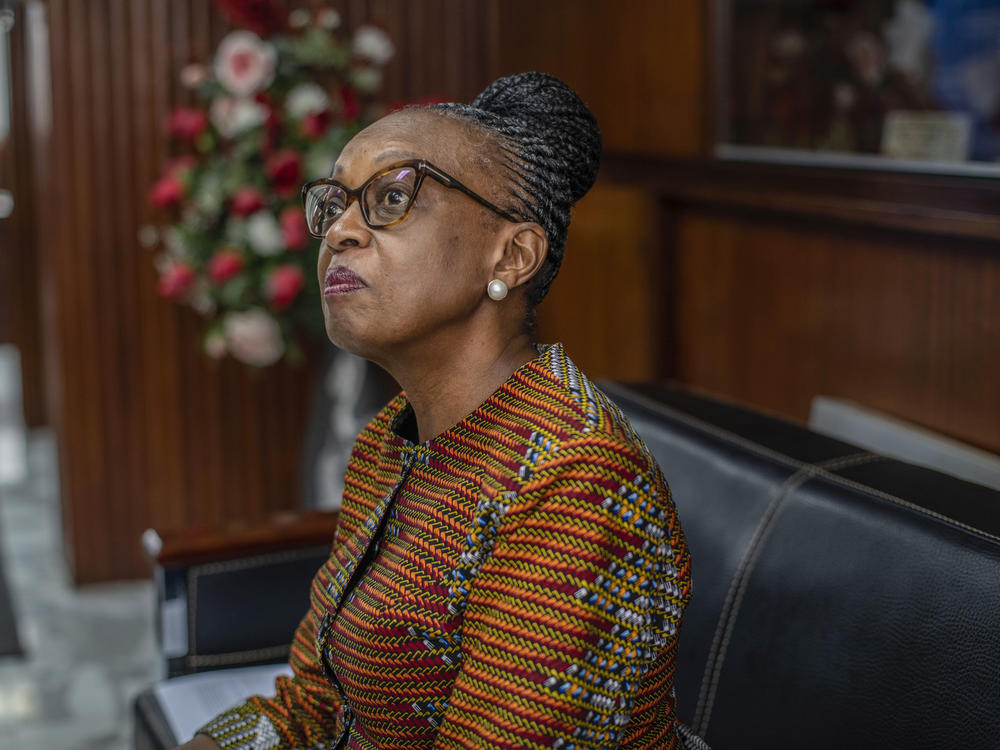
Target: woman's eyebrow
(386, 156)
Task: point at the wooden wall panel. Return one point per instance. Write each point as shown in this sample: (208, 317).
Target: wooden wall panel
(774, 312)
(639, 65)
(607, 305)
(151, 432)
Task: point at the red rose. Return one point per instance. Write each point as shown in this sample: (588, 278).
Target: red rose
(293, 227)
(167, 191)
(283, 285)
(284, 167)
(351, 103)
(176, 280)
(224, 265)
(186, 123)
(262, 17)
(246, 201)
(315, 125)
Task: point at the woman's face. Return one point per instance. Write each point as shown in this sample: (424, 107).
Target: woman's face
(388, 290)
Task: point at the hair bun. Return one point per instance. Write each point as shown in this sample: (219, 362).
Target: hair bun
(552, 112)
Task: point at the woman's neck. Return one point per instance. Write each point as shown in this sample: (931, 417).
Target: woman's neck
(445, 382)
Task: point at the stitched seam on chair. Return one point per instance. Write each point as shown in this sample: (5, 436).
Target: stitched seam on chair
(905, 503)
(722, 434)
(740, 581)
(237, 657)
(227, 567)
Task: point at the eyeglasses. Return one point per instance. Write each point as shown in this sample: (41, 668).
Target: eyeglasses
(386, 197)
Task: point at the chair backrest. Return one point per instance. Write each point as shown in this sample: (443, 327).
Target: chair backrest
(841, 598)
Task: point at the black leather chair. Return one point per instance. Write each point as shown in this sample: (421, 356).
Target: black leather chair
(841, 599)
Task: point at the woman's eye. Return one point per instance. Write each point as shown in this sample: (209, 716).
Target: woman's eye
(395, 197)
(333, 210)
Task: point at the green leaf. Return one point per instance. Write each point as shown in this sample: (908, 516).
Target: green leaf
(234, 292)
(316, 47)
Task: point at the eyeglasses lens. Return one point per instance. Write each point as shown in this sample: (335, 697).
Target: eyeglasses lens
(388, 197)
(324, 205)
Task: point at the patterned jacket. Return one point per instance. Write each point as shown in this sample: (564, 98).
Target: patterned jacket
(517, 581)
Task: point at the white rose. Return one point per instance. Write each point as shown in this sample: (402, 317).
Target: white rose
(234, 116)
(306, 99)
(253, 337)
(299, 18)
(264, 234)
(373, 44)
(329, 18)
(245, 63)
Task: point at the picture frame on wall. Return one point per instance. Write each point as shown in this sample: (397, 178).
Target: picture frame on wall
(901, 85)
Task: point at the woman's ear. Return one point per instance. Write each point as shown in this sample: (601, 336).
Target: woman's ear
(524, 254)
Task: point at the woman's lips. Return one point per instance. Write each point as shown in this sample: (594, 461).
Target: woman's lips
(340, 280)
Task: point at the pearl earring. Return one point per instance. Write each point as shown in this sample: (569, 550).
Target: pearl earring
(496, 290)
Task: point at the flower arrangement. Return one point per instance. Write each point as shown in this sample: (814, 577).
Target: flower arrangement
(282, 96)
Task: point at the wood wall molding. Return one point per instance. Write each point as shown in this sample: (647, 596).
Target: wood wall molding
(928, 205)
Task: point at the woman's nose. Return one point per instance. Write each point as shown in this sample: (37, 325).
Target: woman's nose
(349, 230)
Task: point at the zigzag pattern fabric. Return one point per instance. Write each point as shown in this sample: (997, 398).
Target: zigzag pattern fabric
(516, 582)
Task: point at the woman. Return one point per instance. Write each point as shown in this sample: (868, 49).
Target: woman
(508, 570)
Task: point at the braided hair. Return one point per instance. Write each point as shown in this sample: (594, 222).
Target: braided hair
(551, 148)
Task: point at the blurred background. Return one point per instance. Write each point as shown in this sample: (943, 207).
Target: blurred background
(796, 199)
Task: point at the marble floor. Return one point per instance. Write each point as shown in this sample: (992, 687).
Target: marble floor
(88, 650)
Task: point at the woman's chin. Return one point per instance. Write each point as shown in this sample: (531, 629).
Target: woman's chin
(347, 339)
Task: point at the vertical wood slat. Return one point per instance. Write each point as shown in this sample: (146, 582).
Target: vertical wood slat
(80, 324)
(151, 432)
(20, 313)
(106, 334)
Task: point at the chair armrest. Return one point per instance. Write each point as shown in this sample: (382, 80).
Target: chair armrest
(233, 595)
(286, 530)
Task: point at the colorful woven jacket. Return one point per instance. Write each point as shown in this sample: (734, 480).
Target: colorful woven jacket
(517, 582)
